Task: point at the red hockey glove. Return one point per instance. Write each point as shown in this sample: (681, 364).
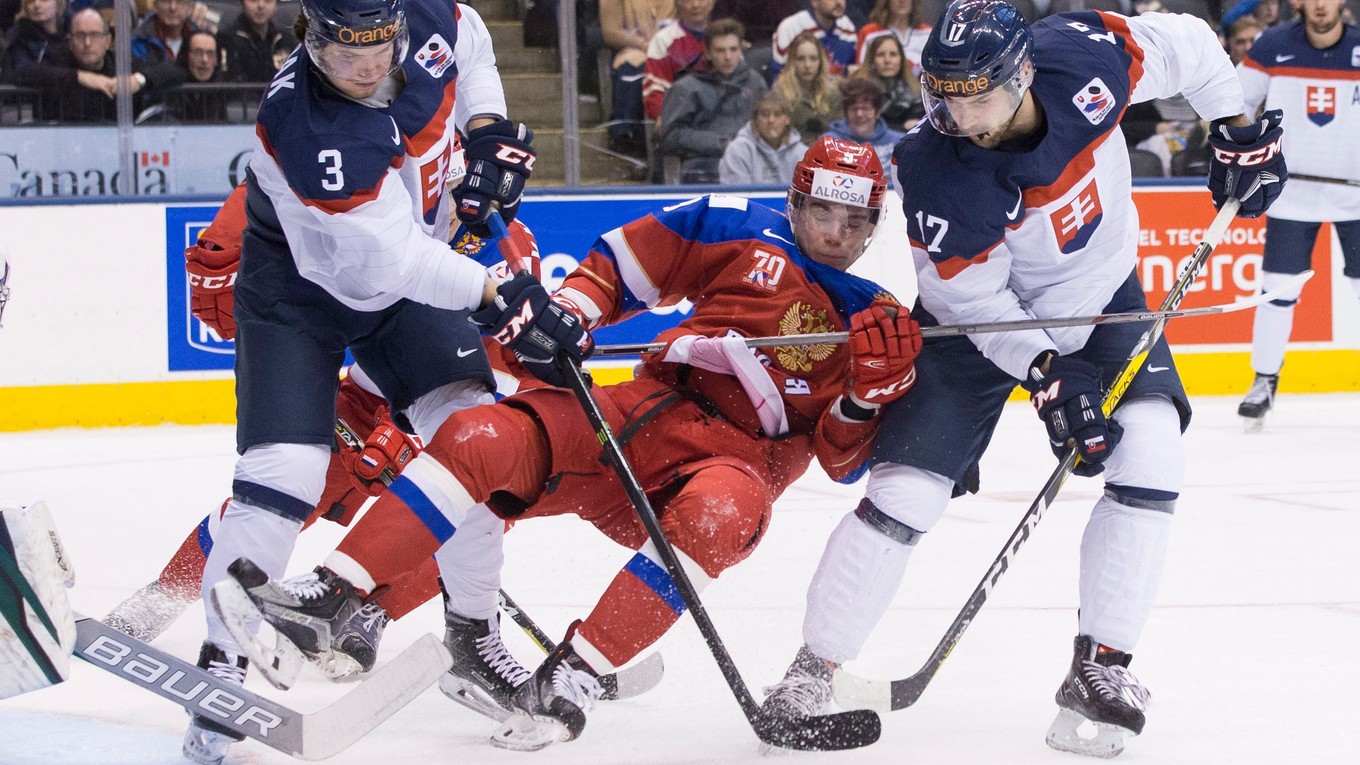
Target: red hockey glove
(884, 341)
(212, 281)
(386, 452)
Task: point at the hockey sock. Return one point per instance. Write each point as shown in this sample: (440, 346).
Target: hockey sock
(411, 591)
(1355, 285)
(470, 564)
(1271, 326)
(1123, 552)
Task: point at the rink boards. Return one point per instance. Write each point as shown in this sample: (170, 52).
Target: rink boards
(98, 330)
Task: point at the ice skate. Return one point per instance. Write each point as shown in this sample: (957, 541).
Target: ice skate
(1101, 704)
(149, 611)
(552, 704)
(355, 647)
(1260, 399)
(484, 675)
(206, 741)
(805, 691)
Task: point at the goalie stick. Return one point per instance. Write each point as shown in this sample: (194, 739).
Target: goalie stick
(845, 730)
(626, 683)
(305, 735)
(949, 330)
(858, 692)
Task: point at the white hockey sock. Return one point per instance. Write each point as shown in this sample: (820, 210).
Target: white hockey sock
(430, 410)
(250, 532)
(860, 572)
(1355, 286)
(1269, 336)
(1123, 552)
(470, 564)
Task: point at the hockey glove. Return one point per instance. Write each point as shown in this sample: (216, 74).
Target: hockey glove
(524, 319)
(884, 341)
(212, 284)
(1248, 164)
(499, 162)
(386, 452)
(1068, 400)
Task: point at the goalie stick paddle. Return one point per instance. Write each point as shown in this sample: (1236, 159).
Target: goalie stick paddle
(853, 691)
(845, 730)
(305, 735)
(626, 683)
(818, 338)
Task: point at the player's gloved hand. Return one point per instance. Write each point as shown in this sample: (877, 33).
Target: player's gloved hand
(524, 319)
(884, 341)
(499, 162)
(1248, 163)
(387, 450)
(212, 283)
(1068, 400)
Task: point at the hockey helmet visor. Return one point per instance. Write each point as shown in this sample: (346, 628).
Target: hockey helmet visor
(356, 40)
(975, 67)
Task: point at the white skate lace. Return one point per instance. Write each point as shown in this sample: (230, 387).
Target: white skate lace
(371, 617)
(227, 670)
(799, 693)
(1260, 392)
(1118, 684)
(578, 687)
(493, 652)
(306, 587)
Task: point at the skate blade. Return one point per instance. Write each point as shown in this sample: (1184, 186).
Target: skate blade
(279, 664)
(1070, 732)
(520, 732)
(338, 667)
(1253, 424)
(473, 697)
(205, 747)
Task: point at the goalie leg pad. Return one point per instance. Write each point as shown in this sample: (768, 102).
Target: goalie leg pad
(37, 628)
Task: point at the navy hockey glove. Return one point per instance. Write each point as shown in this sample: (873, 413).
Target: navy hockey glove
(1068, 400)
(1247, 164)
(524, 319)
(499, 162)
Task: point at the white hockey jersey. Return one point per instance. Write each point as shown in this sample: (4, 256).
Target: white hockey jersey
(359, 191)
(1052, 231)
(1319, 91)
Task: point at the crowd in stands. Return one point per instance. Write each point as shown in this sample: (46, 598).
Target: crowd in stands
(688, 78)
(184, 63)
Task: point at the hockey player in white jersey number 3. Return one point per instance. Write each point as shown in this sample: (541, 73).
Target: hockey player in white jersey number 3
(346, 248)
(1017, 199)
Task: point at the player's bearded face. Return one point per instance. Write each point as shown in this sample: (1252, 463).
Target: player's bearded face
(831, 233)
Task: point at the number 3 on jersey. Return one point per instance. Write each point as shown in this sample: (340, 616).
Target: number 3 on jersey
(335, 177)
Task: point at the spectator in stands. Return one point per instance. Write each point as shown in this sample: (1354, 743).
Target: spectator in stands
(766, 150)
(253, 46)
(898, 18)
(807, 85)
(827, 21)
(78, 80)
(160, 34)
(41, 28)
(863, 123)
(705, 110)
(887, 65)
(673, 51)
(199, 57)
(1241, 35)
(9, 11)
(627, 27)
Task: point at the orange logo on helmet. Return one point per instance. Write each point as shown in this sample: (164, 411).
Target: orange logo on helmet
(372, 36)
(969, 87)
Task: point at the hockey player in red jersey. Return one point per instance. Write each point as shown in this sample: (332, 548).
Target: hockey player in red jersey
(370, 451)
(715, 432)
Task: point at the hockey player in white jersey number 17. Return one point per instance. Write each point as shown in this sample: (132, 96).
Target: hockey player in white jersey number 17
(1017, 200)
(1309, 69)
(346, 248)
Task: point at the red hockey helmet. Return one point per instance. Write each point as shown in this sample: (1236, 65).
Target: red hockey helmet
(841, 171)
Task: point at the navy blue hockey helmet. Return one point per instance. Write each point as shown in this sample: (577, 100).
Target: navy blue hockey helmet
(975, 67)
(354, 24)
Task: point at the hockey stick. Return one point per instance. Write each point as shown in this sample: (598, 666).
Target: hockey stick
(854, 691)
(818, 338)
(305, 735)
(626, 683)
(846, 730)
(1323, 179)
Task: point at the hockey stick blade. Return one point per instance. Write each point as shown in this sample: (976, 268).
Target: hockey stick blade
(821, 733)
(634, 680)
(949, 330)
(306, 735)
